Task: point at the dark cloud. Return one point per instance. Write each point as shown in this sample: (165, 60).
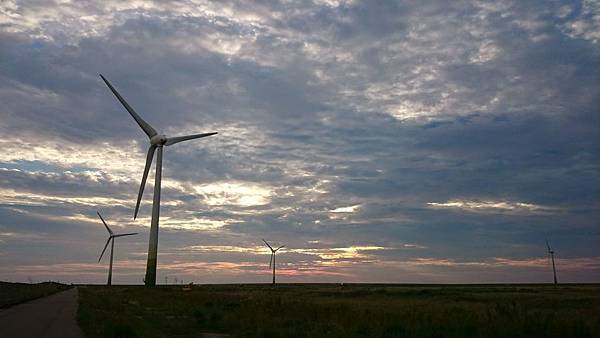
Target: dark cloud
(463, 131)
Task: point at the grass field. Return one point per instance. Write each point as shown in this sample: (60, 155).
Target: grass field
(15, 293)
(341, 311)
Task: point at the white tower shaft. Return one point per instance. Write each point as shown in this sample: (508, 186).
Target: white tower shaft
(112, 249)
(150, 279)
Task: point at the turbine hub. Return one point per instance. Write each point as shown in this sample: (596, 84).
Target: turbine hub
(158, 140)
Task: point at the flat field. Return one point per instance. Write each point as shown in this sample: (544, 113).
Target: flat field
(330, 310)
(15, 293)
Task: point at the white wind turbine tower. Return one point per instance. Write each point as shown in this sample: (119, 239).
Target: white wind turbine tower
(272, 261)
(111, 239)
(551, 253)
(157, 141)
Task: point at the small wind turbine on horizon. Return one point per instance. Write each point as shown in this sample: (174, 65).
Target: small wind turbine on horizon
(111, 239)
(272, 261)
(157, 141)
(551, 253)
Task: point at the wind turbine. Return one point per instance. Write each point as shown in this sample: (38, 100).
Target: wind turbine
(551, 253)
(272, 261)
(157, 141)
(111, 239)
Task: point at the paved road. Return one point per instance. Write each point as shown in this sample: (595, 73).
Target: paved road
(48, 317)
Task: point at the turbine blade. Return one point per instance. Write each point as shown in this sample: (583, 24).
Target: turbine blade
(106, 225)
(173, 140)
(129, 234)
(271, 261)
(108, 241)
(270, 247)
(548, 245)
(144, 177)
(279, 248)
(143, 124)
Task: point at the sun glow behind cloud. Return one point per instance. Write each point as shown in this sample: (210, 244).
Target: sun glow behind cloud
(351, 252)
(493, 206)
(190, 223)
(335, 253)
(234, 193)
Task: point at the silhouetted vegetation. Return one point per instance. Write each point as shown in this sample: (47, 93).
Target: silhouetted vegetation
(341, 311)
(15, 293)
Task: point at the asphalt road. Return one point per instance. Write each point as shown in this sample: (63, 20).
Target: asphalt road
(48, 317)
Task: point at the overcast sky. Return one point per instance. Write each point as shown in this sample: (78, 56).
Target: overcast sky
(380, 141)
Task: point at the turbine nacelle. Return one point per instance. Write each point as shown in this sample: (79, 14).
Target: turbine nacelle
(550, 251)
(158, 140)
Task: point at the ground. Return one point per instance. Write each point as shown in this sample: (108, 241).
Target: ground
(328, 310)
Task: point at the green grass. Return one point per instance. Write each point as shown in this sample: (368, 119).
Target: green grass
(15, 293)
(341, 311)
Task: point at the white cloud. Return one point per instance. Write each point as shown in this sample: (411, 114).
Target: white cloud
(349, 209)
(123, 161)
(587, 24)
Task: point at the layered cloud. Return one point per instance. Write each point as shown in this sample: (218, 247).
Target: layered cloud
(438, 140)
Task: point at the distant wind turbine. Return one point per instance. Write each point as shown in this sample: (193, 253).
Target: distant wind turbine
(157, 141)
(551, 253)
(272, 261)
(111, 239)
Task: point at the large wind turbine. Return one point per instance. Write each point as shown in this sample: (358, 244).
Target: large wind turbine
(111, 238)
(551, 253)
(272, 261)
(157, 141)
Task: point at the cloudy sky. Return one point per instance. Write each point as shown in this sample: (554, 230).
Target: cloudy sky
(380, 141)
